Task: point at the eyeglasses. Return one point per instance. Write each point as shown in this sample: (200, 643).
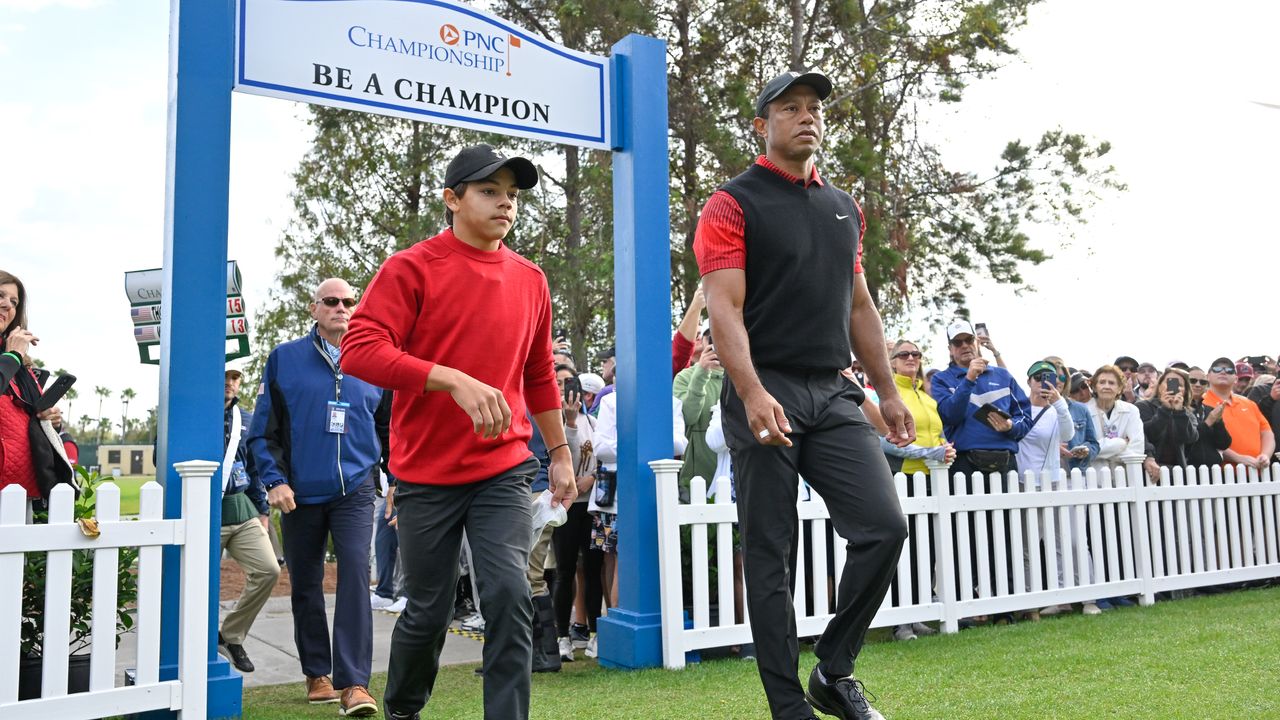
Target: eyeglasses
(914, 354)
(1223, 369)
(1128, 369)
(1194, 381)
(331, 301)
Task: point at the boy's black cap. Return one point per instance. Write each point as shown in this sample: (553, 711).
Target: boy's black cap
(775, 87)
(480, 161)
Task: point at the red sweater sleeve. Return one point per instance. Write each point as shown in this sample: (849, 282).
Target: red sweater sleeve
(719, 241)
(540, 390)
(372, 348)
(681, 348)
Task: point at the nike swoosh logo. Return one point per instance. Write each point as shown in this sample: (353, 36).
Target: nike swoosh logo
(841, 217)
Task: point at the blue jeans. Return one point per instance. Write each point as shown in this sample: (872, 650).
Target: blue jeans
(386, 546)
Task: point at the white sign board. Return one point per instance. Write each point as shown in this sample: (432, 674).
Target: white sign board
(431, 60)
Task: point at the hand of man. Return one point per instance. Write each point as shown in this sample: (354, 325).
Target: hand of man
(390, 512)
(767, 419)
(584, 483)
(950, 455)
(985, 341)
(280, 497)
(560, 478)
(976, 368)
(490, 415)
(999, 424)
(1153, 470)
(709, 360)
(699, 298)
(1065, 453)
(570, 406)
(53, 415)
(1261, 462)
(1215, 414)
(902, 427)
(20, 340)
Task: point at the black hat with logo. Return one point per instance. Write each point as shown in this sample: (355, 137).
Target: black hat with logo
(480, 161)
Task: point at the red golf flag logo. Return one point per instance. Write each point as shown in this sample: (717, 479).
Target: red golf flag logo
(512, 41)
(449, 34)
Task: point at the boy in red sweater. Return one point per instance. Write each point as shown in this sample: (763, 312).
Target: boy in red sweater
(459, 326)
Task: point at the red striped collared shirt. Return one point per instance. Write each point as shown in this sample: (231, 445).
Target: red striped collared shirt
(720, 242)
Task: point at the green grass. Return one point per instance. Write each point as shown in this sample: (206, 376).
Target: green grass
(130, 488)
(1209, 657)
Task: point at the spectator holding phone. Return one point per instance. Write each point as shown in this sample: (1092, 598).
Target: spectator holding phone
(698, 389)
(984, 340)
(1168, 423)
(28, 456)
(1211, 433)
(1051, 425)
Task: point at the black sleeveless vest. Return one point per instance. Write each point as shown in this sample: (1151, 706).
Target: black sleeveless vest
(801, 247)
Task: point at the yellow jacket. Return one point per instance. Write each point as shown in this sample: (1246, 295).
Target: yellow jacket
(925, 411)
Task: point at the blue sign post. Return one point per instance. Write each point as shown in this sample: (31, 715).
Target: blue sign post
(631, 634)
(633, 107)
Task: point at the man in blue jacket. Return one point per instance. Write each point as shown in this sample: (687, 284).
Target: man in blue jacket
(315, 444)
(963, 389)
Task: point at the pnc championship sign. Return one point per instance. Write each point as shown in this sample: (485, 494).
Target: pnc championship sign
(430, 60)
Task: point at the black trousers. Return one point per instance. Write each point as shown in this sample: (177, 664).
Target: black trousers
(568, 540)
(497, 517)
(838, 453)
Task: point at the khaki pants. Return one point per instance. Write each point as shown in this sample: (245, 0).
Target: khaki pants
(248, 545)
(540, 560)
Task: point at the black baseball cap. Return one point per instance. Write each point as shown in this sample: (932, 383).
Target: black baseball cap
(607, 353)
(480, 161)
(775, 87)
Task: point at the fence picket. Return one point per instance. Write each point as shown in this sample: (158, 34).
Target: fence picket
(1233, 519)
(13, 512)
(701, 577)
(1052, 571)
(106, 564)
(1196, 527)
(150, 507)
(1034, 550)
(1017, 551)
(981, 538)
(1269, 513)
(1127, 527)
(57, 598)
(818, 568)
(1255, 519)
(725, 596)
(1168, 534)
(919, 528)
(1093, 528)
(963, 531)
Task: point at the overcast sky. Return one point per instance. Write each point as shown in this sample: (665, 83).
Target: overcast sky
(1181, 266)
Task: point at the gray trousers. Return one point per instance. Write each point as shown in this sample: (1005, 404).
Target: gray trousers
(496, 516)
(838, 453)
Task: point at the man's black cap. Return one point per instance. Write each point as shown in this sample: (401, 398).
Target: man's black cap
(783, 82)
(1077, 381)
(480, 161)
(607, 353)
(1123, 359)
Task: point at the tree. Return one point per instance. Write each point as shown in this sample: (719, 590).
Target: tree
(103, 393)
(125, 396)
(84, 424)
(71, 396)
(931, 229)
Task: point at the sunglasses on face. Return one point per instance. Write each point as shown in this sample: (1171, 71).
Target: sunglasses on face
(914, 354)
(1222, 370)
(959, 342)
(1194, 381)
(1125, 368)
(331, 301)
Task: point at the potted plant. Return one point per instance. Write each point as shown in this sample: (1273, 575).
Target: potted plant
(33, 593)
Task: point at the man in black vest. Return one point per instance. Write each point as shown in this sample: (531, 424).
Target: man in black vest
(780, 254)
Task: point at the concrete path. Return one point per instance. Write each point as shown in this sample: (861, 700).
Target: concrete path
(271, 648)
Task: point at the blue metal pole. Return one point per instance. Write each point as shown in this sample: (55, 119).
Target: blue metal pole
(631, 635)
(193, 323)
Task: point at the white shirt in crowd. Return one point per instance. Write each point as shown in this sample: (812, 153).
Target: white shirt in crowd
(1038, 449)
(605, 441)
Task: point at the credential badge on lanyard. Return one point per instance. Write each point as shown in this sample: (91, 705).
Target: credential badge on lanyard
(338, 417)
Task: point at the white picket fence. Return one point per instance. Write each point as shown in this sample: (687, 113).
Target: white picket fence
(1118, 536)
(149, 532)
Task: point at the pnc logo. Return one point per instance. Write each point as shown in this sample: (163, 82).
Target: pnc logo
(449, 34)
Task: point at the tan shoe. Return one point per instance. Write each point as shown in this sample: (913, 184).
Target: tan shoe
(320, 690)
(357, 702)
